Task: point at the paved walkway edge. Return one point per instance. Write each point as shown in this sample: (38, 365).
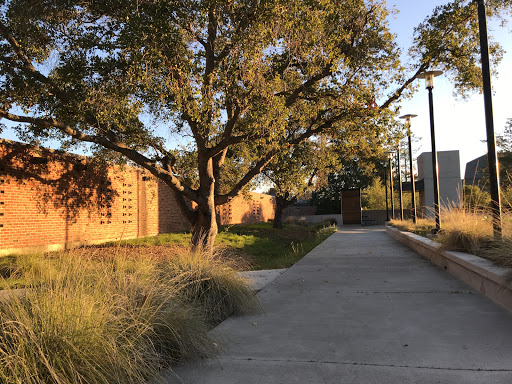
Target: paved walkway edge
(479, 273)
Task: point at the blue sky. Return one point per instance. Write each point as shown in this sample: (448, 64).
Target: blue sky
(460, 124)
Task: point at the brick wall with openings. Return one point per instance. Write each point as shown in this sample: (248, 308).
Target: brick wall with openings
(251, 208)
(52, 200)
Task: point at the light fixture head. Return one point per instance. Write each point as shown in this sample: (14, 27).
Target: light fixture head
(408, 117)
(429, 77)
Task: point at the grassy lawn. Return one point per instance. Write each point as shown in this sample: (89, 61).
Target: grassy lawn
(254, 246)
(269, 248)
(244, 247)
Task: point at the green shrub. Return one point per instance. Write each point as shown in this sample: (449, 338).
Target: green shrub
(475, 199)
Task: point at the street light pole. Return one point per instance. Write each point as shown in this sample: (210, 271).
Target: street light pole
(391, 186)
(411, 170)
(400, 182)
(429, 80)
(386, 188)
(492, 157)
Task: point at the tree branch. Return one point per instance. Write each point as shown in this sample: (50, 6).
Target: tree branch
(244, 23)
(27, 63)
(308, 83)
(223, 199)
(112, 144)
(396, 95)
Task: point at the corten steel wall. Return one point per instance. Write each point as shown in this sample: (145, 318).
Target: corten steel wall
(52, 200)
(351, 206)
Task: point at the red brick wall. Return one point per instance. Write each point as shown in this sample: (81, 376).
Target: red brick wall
(51, 199)
(253, 208)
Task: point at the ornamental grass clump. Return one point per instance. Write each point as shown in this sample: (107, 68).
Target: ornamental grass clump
(211, 284)
(469, 229)
(98, 321)
(422, 227)
(466, 230)
(472, 231)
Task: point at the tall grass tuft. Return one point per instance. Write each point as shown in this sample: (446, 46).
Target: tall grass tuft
(211, 284)
(467, 230)
(114, 320)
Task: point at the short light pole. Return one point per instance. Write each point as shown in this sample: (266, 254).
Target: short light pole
(386, 188)
(399, 165)
(408, 118)
(429, 84)
(492, 157)
(390, 166)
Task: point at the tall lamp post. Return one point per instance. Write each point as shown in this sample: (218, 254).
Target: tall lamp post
(408, 118)
(390, 166)
(398, 160)
(386, 188)
(492, 158)
(429, 84)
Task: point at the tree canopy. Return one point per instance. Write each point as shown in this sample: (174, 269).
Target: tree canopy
(244, 80)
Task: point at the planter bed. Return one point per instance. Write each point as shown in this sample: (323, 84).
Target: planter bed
(479, 273)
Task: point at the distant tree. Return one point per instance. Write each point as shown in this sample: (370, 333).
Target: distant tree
(356, 174)
(504, 148)
(362, 162)
(504, 144)
(304, 168)
(374, 197)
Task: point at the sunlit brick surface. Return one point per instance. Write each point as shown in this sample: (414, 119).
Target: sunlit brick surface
(50, 199)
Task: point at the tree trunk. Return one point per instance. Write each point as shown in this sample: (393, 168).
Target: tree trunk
(282, 201)
(204, 230)
(204, 226)
(278, 214)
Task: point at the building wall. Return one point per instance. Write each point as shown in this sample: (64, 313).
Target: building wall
(450, 183)
(474, 172)
(380, 215)
(251, 208)
(52, 200)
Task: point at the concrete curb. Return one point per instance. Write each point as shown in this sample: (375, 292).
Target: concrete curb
(479, 273)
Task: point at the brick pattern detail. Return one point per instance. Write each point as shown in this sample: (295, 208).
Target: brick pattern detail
(252, 208)
(52, 199)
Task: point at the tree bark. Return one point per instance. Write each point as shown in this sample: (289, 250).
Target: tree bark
(204, 225)
(204, 230)
(282, 201)
(278, 214)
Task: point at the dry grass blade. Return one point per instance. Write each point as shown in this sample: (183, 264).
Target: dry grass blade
(112, 320)
(209, 282)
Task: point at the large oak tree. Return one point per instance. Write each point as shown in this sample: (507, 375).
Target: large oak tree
(235, 76)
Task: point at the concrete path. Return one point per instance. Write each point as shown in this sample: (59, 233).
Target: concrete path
(258, 280)
(362, 308)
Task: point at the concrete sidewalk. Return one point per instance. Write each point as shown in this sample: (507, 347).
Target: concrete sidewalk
(362, 308)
